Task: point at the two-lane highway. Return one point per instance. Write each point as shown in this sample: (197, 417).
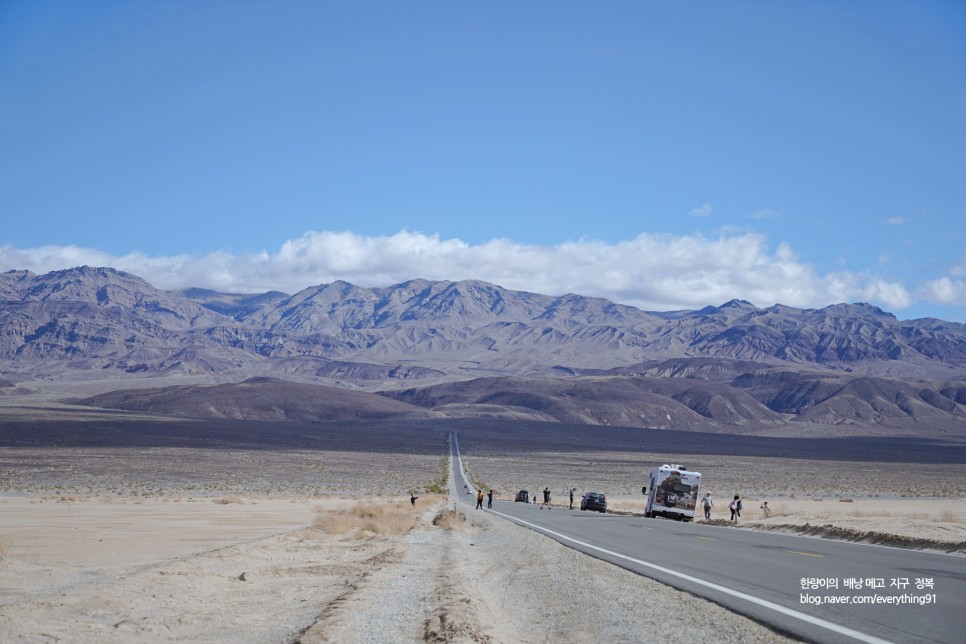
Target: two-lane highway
(759, 574)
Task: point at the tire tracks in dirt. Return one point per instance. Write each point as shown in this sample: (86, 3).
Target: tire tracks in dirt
(455, 616)
(412, 592)
(354, 587)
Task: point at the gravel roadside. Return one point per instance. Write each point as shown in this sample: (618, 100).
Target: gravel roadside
(489, 580)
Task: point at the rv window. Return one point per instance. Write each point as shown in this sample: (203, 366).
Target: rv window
(681, 488)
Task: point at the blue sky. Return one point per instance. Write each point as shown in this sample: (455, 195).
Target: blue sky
(663, 155)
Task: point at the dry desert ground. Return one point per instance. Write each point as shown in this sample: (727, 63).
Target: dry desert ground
(299, 543)
(241, 569)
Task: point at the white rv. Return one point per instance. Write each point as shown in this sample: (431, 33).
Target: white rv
(673, 492)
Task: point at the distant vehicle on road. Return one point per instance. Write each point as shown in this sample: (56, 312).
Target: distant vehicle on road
(594, 501)
(523, 496)
(674, 493)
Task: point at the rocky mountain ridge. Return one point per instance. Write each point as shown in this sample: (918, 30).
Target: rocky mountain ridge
(475, 350)
(73, 321)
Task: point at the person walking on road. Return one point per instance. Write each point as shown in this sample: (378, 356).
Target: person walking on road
(479, 499)
(707, 504)
(735, 507)
(546, 499)
(489, 500)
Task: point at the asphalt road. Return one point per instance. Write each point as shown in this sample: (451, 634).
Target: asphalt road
(760, 574)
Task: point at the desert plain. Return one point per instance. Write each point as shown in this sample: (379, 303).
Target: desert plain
(150, 530)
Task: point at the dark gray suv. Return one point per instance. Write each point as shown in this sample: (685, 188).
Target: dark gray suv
(594, 501)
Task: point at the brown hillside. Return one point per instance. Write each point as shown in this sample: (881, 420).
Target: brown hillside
(257, 399)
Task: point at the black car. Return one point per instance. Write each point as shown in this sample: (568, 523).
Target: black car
(594, 501)
(523, 496)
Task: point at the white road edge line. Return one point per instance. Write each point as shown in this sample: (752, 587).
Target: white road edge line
(764, 603)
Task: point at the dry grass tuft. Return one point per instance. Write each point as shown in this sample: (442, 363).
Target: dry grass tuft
(864, 514)
(779, 509)
(225, 500)
(450, 520)
(372, 519)
(948, 516)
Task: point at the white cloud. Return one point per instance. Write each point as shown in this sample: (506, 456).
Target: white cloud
(655, 272)
(895, 221)
(945, 290)
(703, 210)
(949, 289)
(892, 295)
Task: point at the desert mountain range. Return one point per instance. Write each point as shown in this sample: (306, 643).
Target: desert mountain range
(473, 349)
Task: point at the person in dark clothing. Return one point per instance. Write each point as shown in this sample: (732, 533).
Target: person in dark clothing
(572, 490)
(735, 507)
(546, 499)
(412, 499)
(489, 500)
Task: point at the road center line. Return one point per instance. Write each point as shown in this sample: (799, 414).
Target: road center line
(764, 603)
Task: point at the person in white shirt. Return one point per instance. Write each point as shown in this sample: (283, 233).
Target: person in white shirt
(707, 504)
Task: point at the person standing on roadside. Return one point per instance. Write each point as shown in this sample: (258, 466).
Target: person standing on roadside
(489, 500)
(735, 507)
(572, 490)
(412, 499)
(765, 509)
(707, 504)
(546, 499)
(479, 499)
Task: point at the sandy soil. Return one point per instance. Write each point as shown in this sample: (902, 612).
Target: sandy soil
(103, 569)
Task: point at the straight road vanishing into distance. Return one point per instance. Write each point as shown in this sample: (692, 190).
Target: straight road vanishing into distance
(759, 574)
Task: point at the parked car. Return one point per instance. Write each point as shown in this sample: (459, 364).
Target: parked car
(594, 501)
(523, 496)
